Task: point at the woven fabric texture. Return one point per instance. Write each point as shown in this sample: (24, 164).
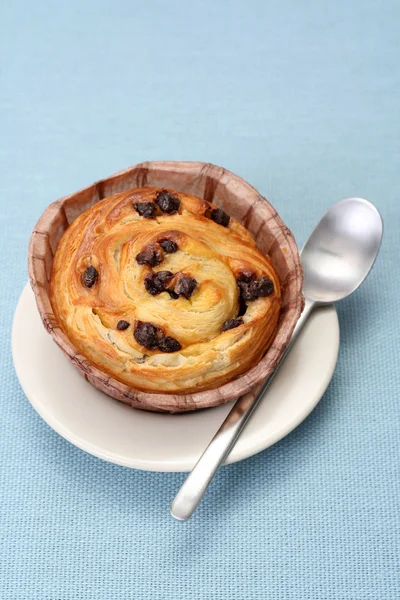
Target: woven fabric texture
(302, 100)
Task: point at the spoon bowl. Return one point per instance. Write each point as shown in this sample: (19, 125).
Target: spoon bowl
(341, 250)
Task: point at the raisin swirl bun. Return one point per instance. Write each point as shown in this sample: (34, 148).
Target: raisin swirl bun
(164, 291)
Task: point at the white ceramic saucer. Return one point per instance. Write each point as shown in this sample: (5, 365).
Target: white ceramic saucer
(159, 442)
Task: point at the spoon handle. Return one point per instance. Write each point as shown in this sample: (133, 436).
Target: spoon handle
(198, 480)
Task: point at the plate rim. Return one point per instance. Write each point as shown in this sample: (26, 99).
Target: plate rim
(169, 466)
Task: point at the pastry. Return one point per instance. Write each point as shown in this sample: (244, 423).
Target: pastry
(164, 291)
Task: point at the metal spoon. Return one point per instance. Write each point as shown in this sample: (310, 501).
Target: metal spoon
(336, 259)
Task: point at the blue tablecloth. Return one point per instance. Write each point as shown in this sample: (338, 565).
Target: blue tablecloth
(302, 100)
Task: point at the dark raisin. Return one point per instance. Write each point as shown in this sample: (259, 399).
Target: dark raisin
(169, 246)
(145, 209)
(146, 335)
(186, 286)
(169, 344)
(245, 277)
(220, 217)
(151, 255)
(265, 287)
(155, 283)
(173, 294)
(152, 337)
(121, 325)
(167, 202)
(260, 287)
(249, 290)
(231, 324)
(89, 276)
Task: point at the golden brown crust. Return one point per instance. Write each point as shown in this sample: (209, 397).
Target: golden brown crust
(108, 236)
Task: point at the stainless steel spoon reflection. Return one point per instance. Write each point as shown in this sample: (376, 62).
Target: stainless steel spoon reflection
(336, 259)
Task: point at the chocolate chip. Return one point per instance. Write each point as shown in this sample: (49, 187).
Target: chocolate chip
(231, 324)
(151, 255)
(146, 335)
(186, 286)
(89, 276)
(265, 287)
(122, 325)
(220, 217)
(155, 283)
(145, 209)
(167, 202)
(173, 294)
(169, 344)
(169, 246)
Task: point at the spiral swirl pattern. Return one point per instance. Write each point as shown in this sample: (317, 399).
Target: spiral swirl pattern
(164, 291)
